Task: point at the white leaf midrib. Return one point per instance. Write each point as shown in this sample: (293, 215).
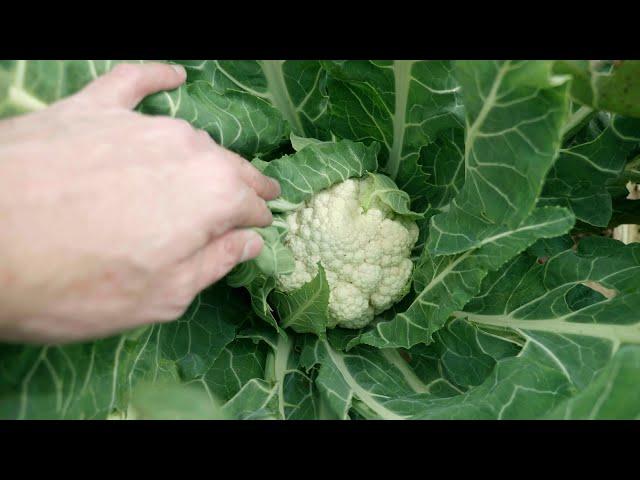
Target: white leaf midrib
(394, 358)
(279, 94)
(615, 333)
(364, 395)
(283, 350)
(402, 80)
(487, 106)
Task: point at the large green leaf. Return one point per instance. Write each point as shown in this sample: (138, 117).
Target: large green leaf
(552, 297)
(287, 391)
(31, 85)
(399, 384)
(402, 104)
(91, 380)
(443, 160)
(612, 395)
(318, 166)
(296, 89)
(536, 343)
(580, 345)
(515, 111)
(239, 362)
(237, 120)
(446, 283)
(578, 179)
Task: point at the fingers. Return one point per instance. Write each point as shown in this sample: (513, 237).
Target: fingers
(266, 187)
(249, 210)
(218, 257)
(127, 84)
(224, 197)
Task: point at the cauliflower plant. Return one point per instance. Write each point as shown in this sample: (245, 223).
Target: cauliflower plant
(364, 252)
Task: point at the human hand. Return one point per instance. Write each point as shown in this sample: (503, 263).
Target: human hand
(112, 219)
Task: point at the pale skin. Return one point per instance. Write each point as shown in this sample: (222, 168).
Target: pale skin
(110, 219)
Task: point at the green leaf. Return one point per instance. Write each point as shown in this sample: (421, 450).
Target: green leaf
(256, 400)
(612, 395)
(31, 85)
(290, 390)
(172, 402)
(444, 284)
(542, 301)
(305, 310)
(579, 176)
(275, 258)
(444, 165)
(401, 104)
(613, 86)
(462, 356)
(574, 363)
(298, 143)
(515, 111)
(319, 166)
(92, 380)
(374, 383)
(381, 192)
(296, 89)
(236, 120)
(240, 361)
(259, 290)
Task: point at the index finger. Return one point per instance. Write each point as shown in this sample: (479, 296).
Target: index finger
(266, 187)
(128, 83)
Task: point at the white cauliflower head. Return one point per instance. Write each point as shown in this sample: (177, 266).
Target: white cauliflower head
(365, 254)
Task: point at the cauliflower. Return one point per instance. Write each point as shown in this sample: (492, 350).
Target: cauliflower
(365, 254)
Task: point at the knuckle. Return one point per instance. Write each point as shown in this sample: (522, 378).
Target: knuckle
(231, 250)
(242, 197)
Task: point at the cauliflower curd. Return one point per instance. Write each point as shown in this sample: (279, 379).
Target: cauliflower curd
(365, 254)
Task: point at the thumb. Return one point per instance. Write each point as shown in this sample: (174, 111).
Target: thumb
(127, 84)
(219, 256)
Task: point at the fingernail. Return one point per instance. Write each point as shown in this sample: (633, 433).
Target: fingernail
(253, 246)
(179, 69)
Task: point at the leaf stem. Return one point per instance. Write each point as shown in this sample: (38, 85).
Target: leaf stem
(402, 78)
(283, 350)
(273, 71)
(576, 120)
